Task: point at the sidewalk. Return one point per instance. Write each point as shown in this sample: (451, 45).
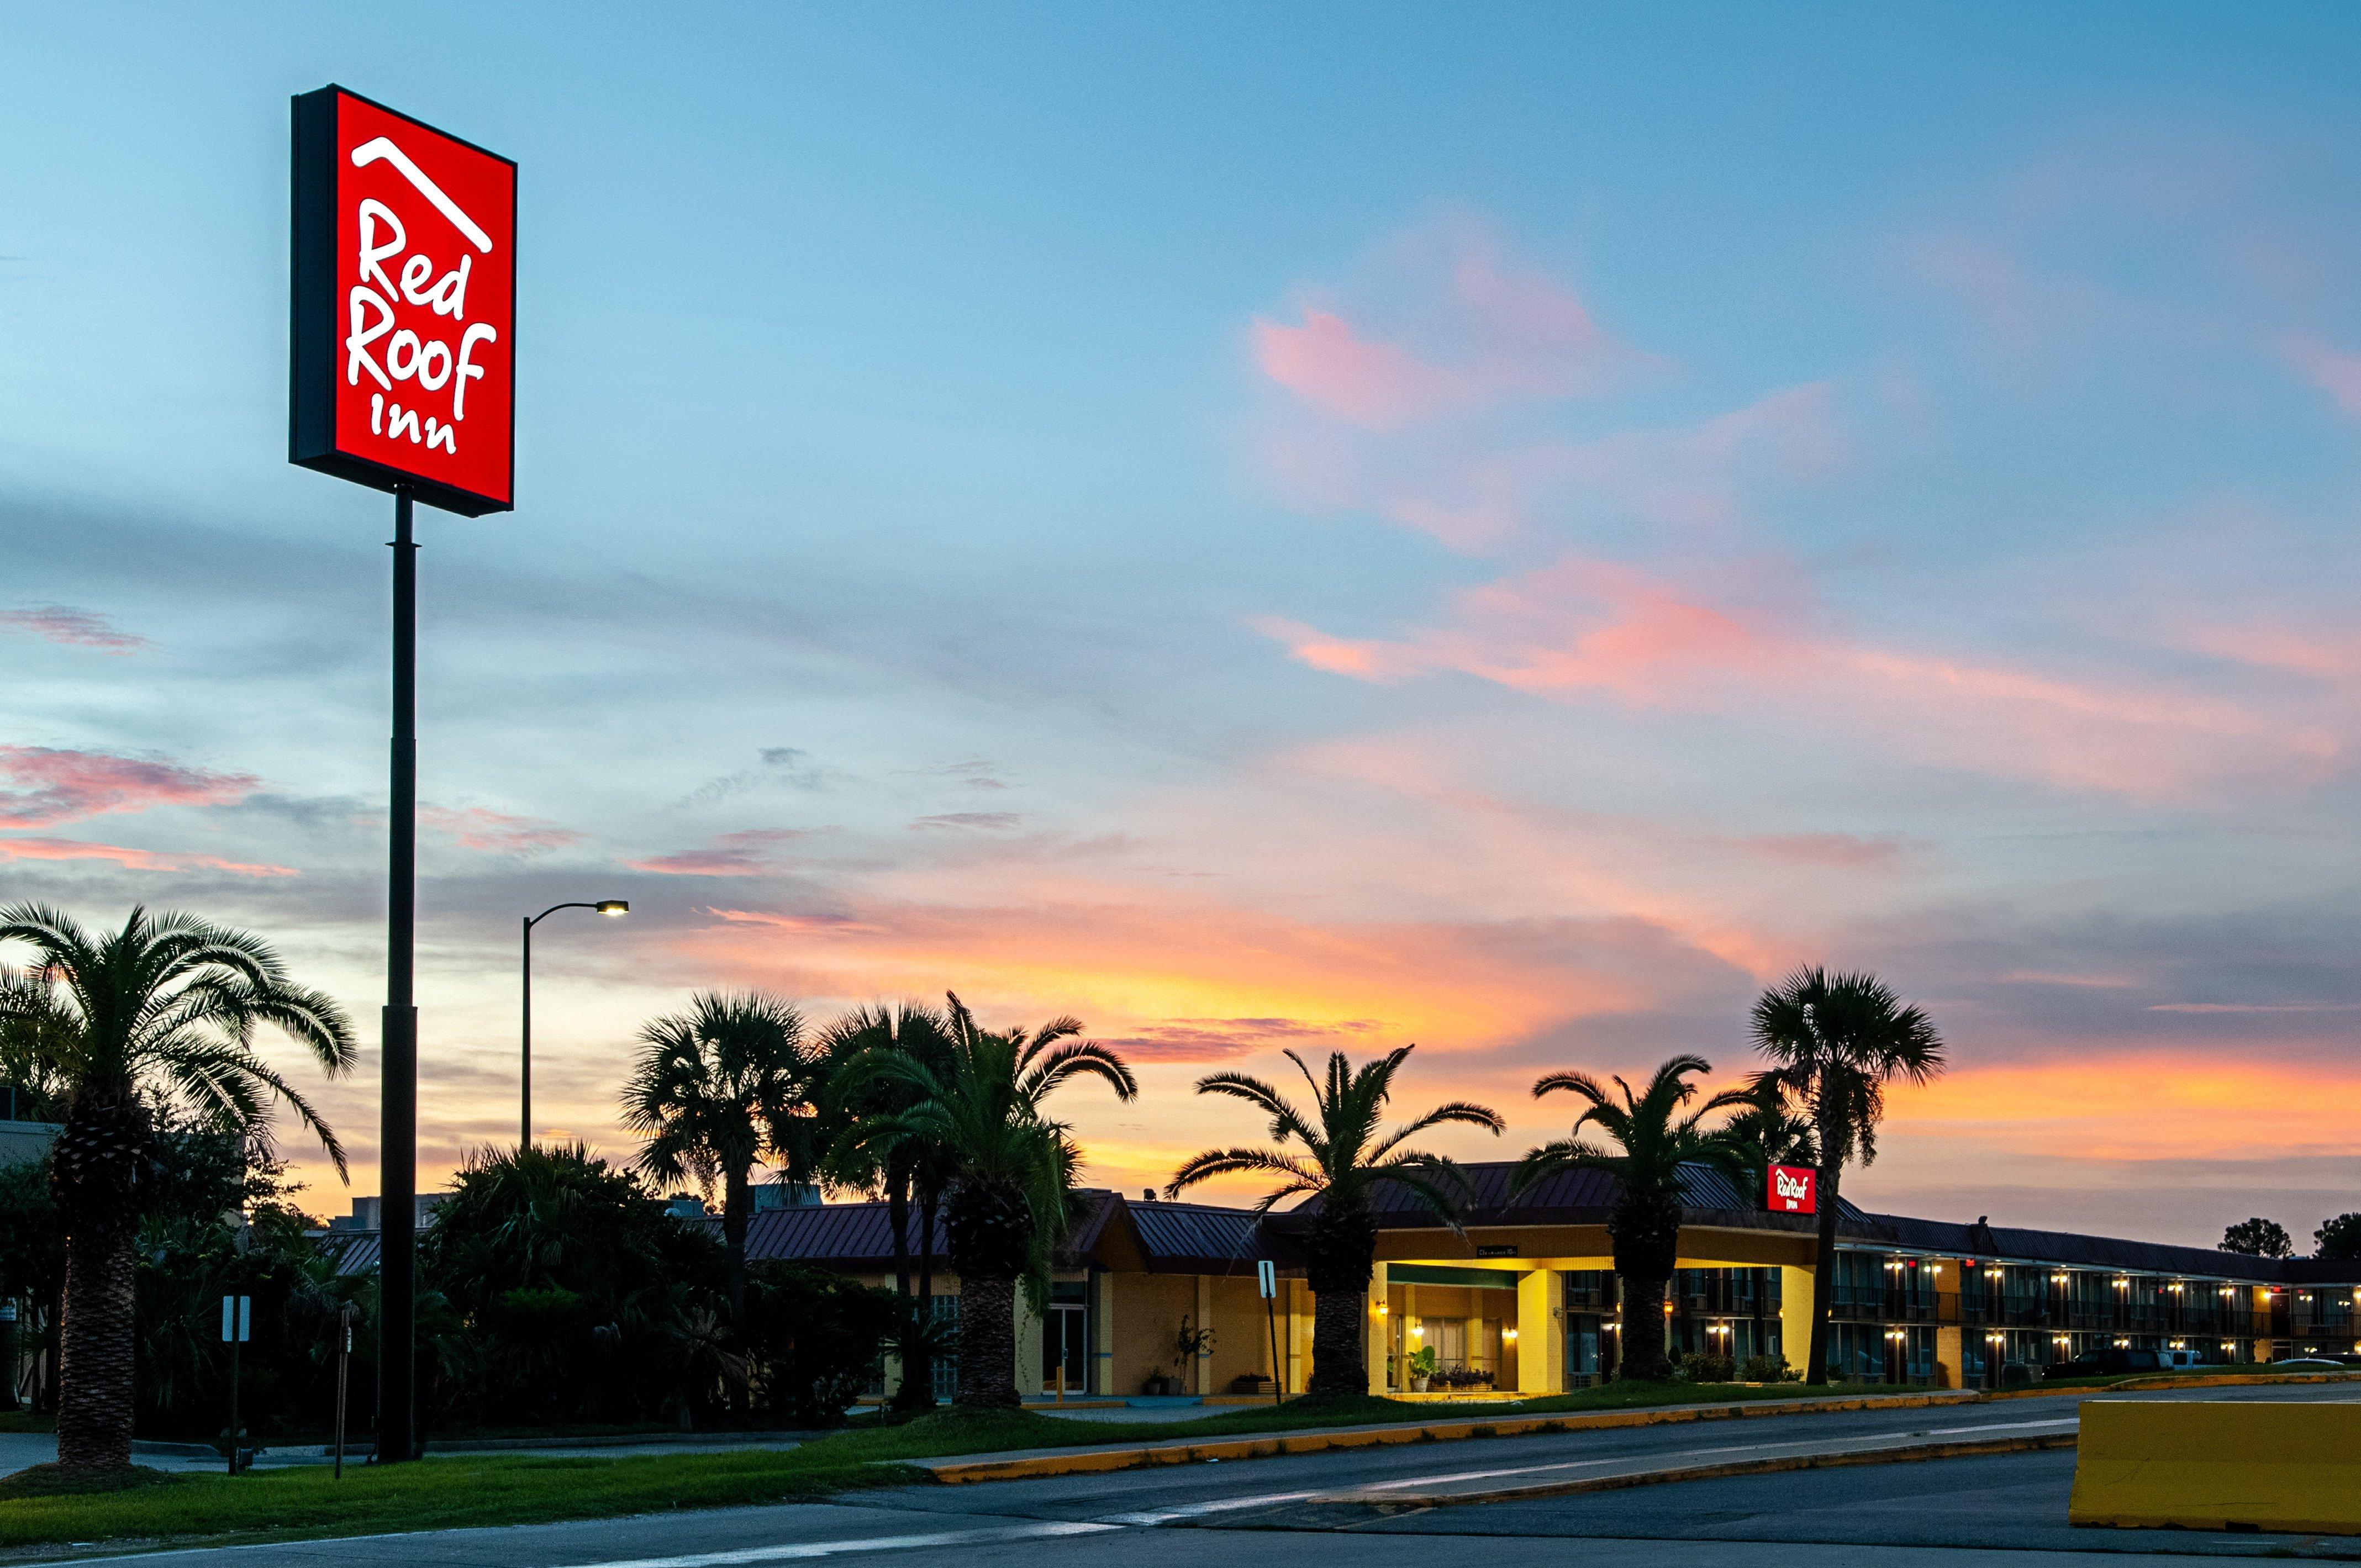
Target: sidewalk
(22, 1451)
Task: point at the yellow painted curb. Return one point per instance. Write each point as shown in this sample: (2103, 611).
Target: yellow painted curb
(1719, 1470)
(2170, 1380)
(1091, 1461)
(2205, 1464)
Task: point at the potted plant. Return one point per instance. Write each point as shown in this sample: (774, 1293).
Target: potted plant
(1423, 1363)
(1190, 1347)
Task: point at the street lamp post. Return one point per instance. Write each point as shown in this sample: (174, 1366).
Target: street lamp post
(524, 1106)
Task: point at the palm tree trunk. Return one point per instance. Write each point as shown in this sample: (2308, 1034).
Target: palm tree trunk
(897, 1221)
(1643, 1329)
(95, 1355)
(737, 1199)
(1824, 1276)
(1340, 1354)
(987, 1360)
(920, 1372)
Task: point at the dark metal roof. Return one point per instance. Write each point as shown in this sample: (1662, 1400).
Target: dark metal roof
(1203, 1238)
(2102, 1251)
(356, 1252)
(1197, 1238)
(857, 1237)
(1582, 1197)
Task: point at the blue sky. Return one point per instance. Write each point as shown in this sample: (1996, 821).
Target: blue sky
(1313, 528)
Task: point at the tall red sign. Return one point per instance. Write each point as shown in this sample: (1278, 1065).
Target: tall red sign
(1792, 1190)
(404, 328)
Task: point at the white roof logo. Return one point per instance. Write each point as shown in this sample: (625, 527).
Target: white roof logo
(381, 149)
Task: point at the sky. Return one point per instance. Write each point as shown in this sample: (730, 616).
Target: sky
(1321, 527)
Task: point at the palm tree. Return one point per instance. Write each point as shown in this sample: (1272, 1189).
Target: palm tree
(1009, 1202)
(1342, 1158)
(1652, 1142)
(718, 1089)
(161, 1013)
(1768, 1132)
(870, 1152)
(1834, 1042)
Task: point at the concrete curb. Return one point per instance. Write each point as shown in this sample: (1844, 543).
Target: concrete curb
(963, 1469)
(1900, 1454)
(2159, 1384)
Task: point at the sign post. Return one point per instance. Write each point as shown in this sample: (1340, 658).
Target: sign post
(1266, 1281)
(345, 1316)
(236, 1329)
(403, 377)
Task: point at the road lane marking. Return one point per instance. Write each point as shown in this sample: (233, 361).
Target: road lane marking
(1765, 1449)
(2001, 1426)
(1152, 1516)
(801, 1550)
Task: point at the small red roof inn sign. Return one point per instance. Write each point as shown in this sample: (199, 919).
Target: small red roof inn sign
(1789, 1190)
(404, 328)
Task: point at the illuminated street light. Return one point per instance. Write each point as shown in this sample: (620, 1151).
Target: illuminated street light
(524, 1076)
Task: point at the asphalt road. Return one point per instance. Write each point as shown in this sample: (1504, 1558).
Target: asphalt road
(1965, 1512)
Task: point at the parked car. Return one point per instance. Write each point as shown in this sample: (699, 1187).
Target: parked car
(2313, 1364)
(2110, 1361)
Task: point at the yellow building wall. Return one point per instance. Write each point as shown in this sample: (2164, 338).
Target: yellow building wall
(1795, 1318)
(1147, 1312)
(1540, 1331)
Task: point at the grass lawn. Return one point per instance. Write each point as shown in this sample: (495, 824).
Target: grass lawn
(484, 1489)
(437, 1494)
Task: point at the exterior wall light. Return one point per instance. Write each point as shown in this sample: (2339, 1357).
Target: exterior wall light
(1508, 1334)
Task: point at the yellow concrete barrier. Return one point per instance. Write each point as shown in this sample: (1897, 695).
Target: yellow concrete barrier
(2283, 1467)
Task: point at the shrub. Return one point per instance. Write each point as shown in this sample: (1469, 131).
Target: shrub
(815, 1337)
(2012, 1372)
(1767, 1369)
(1703, 1366)
(556, 1288)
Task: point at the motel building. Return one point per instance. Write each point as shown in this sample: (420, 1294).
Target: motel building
(1524, 1302)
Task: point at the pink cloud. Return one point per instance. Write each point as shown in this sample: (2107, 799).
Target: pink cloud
(60, 786)
(75, 628)
(1370, 382)
(731, 854)
(1688, 477)
(134, 859)
(1580, 625)
(1586, 628)
(2274, 645)
(1496, 335)
(803, 925)
(496, 832)
(1180, 1040)
(2338, 375)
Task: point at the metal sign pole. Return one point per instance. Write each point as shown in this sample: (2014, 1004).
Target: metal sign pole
(524, 1068)
(1266, 1276)
(344, 1365)
(397, 1105)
